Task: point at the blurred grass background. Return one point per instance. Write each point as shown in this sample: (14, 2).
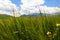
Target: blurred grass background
(30, 28)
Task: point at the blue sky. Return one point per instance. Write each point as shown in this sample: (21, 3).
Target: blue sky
(50, 3)
(17, 2)
(49, 6)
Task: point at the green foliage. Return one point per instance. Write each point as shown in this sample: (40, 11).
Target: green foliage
(28, 28)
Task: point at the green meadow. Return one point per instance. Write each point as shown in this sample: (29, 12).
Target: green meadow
(30, 28)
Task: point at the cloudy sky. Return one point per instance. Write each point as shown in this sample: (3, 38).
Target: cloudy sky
(29, 6)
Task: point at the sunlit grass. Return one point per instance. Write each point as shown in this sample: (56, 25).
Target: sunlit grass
(30, 28)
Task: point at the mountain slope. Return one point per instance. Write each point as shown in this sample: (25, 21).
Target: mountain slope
(4, 16)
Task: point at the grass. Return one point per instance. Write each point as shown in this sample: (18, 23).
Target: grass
(30, 28)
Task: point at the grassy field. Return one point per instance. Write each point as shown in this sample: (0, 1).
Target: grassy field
(30, 28)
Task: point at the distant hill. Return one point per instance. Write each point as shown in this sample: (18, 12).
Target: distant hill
(4, 16)
(58, 13)
(36, 14)
(43, 14)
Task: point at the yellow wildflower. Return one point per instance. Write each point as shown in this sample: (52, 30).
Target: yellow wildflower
(57, 24)
(49, 33)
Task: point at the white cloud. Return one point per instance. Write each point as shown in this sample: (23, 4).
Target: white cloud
(31, 6)
(6, 7)
(49, 10)
(27, 6)
(30, 3)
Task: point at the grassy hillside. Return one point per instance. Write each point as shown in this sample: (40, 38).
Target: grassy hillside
(4, 16)
(30, 28)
